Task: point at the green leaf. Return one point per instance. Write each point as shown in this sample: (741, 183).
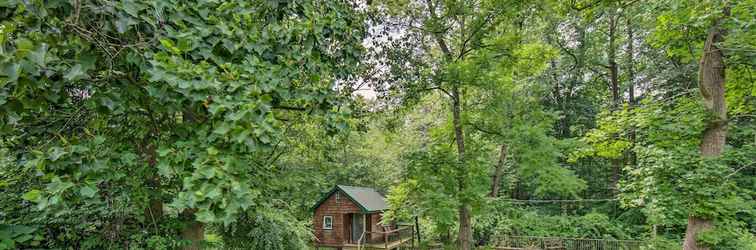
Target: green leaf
(168, 44)
(205, 216)
(55, 153)
(32, 195)
(99, 140)
(23, 46)
(207, 172)
(88, 191)
(215, 108)
(57, 186)
(132, 8)
(123, 24)
(164, 169)
(155, 76)
(222, 129)
(39, 55)
(214, 192)
(162, 152)
(87, 61)
(184, 44)
(264, 139)
(212, 151)
(74, 73)
(11, 71)
(24, 238)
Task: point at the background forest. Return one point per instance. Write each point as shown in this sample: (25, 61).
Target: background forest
(187, 124)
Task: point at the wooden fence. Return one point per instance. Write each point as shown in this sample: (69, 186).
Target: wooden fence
(556, 243)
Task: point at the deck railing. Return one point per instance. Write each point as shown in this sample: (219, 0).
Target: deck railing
(390, 236)
(556, 243)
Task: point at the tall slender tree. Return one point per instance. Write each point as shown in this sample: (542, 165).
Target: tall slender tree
(447, 39)
(712, 86)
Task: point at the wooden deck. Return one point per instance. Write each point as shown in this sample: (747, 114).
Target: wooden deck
(391, 239)
(381, 245)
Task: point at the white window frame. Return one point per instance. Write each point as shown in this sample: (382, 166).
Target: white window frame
(325, 225)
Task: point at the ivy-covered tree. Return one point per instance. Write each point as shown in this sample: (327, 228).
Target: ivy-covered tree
(128, 119)
(685, 169)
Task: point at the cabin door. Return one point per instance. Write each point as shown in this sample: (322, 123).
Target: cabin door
(358, 226)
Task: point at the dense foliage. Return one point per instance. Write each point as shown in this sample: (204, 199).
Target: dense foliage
(218, 124)
(112, 109)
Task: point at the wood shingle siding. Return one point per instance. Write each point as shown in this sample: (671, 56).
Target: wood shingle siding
(339, 210)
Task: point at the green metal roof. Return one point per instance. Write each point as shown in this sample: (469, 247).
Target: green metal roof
(366, 198)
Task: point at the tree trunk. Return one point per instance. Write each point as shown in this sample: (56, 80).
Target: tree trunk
(712, 86)
(630, 63)
(153, 212)
(616, 166)
(613, 70)
(557, 92)
(695, 225)
(631, 158)
(496, 181)
(465, 228)
(193, 232)
(614, 86)
(653, 231)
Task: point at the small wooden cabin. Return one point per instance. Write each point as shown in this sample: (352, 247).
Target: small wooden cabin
(348, 217)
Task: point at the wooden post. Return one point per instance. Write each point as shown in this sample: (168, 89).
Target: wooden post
(417, 226)
(385, 240)
(412, 238)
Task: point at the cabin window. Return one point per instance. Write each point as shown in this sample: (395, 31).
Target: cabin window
(327, 222)
(338, 196)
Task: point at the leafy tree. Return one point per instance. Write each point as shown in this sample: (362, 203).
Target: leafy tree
(112, 109)
(463, 46)
(675, 178)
